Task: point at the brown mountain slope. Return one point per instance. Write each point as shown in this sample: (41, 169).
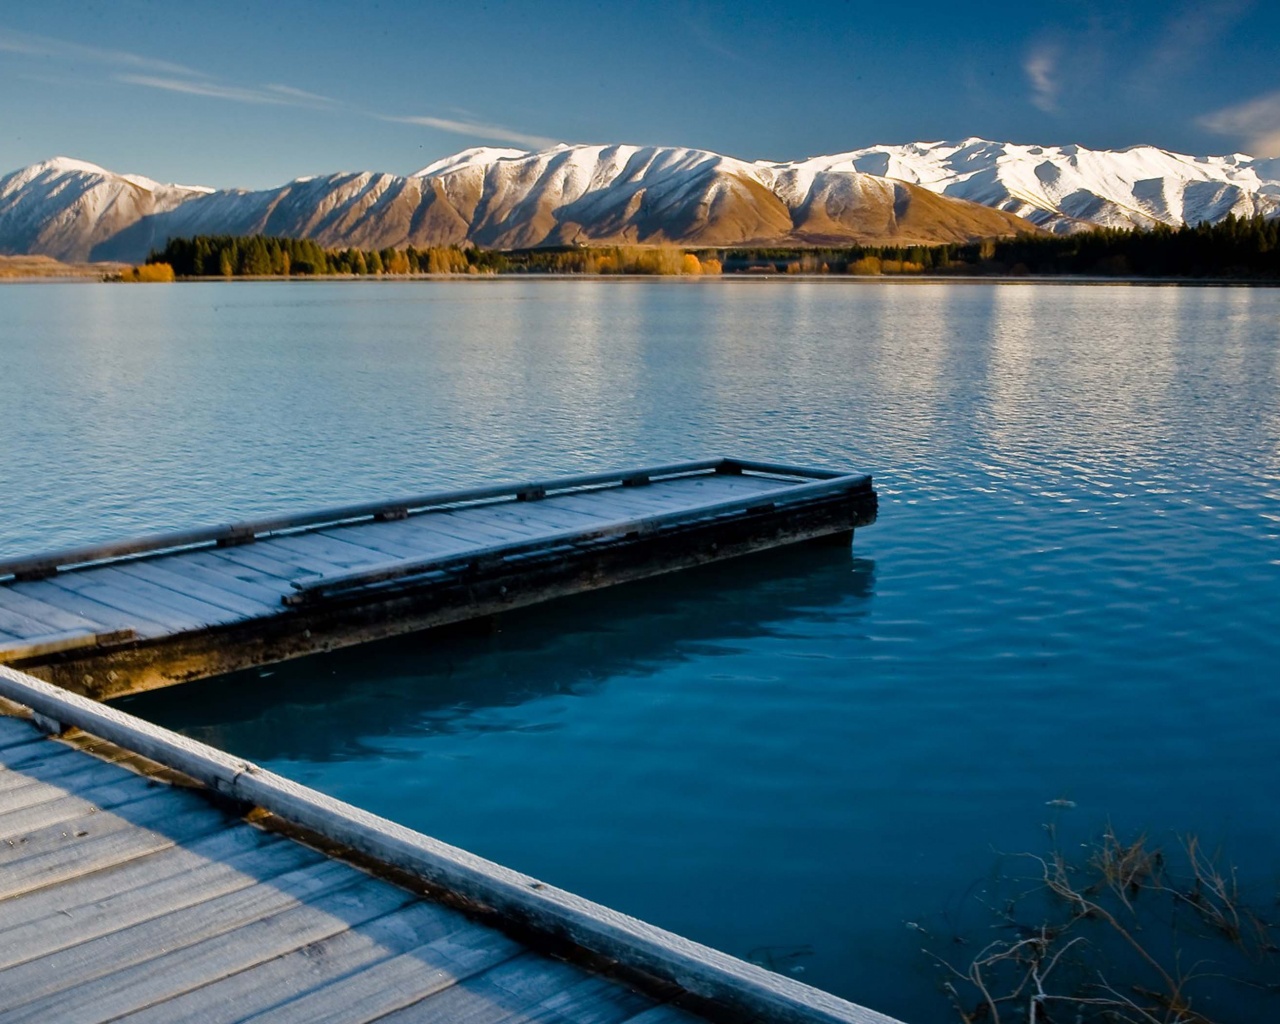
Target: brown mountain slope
(602, 195)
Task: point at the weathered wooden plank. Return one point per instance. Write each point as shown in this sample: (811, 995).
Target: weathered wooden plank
(526, 988)
(14, 626)
(137, 596)
(399, 981)
(54, 618)
(251, 528)
(61, 985)
(405, 537)
(167, 891)
(221, 574)
(515, 517)
(539, 518)
(106, 617)
(54, 764)
(16, 732)
(174, 961)
(31, 753)
(79, 909)
(59, 643)
(81, 855)
(473, 529)
(98, 615)
(317, 546)
(267, 987)
(16, 823)
(85, 823)
(298, 564)
(186, 579)
(258, 557)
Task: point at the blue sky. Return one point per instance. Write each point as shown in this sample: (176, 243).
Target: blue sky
(251, 94)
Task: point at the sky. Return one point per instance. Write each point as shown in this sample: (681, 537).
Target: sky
(251, 95)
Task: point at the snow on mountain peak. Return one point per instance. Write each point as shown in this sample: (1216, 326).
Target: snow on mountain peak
(476, 156)
(1064, 188)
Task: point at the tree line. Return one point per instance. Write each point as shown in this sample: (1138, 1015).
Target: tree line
(1236, 248)
(269, 256)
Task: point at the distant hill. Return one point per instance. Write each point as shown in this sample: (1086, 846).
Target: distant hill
(606, 195)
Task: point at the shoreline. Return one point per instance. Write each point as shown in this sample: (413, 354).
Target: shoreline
(100, 276)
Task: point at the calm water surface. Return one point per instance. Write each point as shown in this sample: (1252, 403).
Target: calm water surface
(1071, 593)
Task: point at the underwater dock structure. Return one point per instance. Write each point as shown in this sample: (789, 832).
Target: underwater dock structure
(148, 877)
(115, 618)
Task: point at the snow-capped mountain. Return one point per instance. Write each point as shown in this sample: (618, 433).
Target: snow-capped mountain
(1065, 188)
(502, 198)
(63, 208)
(509, 198)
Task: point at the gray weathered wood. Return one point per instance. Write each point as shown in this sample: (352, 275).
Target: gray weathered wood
(189, 581)
(79, 855)
(257, 558)
(55, 619)
(81, 823)
(237, 531)
(167, 890)
(62, 984)
(270, 987)
(318, 545)
(98, 615)
(399, 981)
(387, 571)
(526, 989)
(61, 807)
(109, 585)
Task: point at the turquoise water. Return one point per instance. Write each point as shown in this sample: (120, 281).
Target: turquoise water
(1071, 593)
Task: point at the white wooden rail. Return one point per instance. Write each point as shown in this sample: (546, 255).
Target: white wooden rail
(35, 566)
(742, 988)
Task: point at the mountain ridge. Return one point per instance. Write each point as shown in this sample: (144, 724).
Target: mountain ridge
(500, 197)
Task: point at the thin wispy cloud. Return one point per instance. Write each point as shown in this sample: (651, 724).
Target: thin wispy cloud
(166, 76)
(209, 89)
(1041, 69)
(1254, 122)
(492, 132)
(269, 95)
(59, 49)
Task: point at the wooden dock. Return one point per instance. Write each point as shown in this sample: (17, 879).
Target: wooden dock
(145, 877)
(153, 611)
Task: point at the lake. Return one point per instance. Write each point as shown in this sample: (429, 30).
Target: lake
(801, 757)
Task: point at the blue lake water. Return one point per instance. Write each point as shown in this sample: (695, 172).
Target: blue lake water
(1073, 591)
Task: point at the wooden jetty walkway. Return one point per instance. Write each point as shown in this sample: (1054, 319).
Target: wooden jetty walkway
(157, 610)
(145, 877)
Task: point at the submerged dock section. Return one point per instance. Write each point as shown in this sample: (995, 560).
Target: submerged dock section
(139, 614)
(147, 877)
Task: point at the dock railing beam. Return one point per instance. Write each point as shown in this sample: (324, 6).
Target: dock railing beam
(44, 565)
